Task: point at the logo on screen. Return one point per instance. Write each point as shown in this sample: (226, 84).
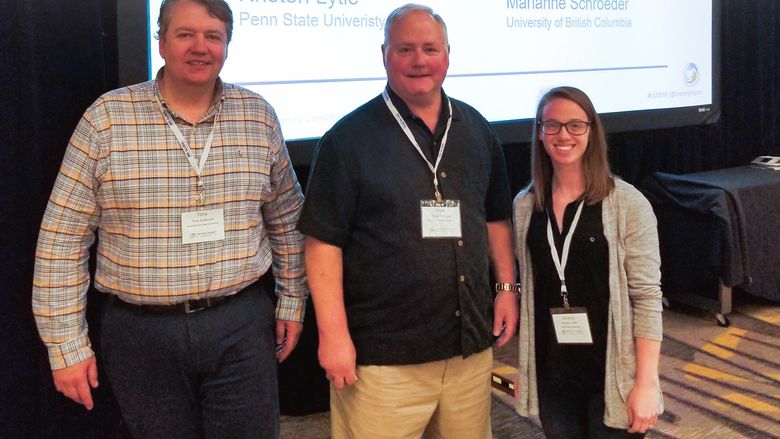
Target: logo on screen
(691, 74)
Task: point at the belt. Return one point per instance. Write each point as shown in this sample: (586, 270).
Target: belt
(187, 307)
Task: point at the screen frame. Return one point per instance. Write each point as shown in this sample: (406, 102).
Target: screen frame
(133, 51)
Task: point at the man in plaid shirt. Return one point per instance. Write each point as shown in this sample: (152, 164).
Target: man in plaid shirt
(188, 183)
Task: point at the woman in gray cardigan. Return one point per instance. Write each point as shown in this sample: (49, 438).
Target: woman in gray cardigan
(590, 317)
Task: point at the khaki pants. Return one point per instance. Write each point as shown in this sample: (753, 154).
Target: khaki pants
(447, 399)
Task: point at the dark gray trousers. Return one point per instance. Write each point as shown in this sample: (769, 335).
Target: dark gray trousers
(210, 374)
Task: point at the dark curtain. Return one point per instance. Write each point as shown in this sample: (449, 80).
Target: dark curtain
(59, 56)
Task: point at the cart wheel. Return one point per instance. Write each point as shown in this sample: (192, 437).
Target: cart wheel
(723, 321)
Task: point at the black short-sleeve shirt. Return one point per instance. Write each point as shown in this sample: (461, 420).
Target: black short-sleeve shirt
(408, 299)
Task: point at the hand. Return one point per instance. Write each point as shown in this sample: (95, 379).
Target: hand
(505, 317)
(337, 356)
(642, 408)
(75, 381)
(287, 334)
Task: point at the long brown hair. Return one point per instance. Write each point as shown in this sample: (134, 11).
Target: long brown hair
(598, 178)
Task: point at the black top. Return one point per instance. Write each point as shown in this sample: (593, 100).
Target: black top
(409, 300)
(587, 281)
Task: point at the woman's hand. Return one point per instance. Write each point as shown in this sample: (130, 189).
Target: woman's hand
(642, 407)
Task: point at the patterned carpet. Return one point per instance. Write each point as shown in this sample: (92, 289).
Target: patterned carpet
(718, 382)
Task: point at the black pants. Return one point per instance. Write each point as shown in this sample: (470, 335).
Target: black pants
(576, 413)
(210, 374)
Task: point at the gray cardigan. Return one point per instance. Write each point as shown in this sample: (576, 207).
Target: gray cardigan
(634, 304)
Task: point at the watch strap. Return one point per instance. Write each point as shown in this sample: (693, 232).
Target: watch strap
(509, 287)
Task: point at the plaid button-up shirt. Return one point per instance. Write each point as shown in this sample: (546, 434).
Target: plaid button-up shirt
(125, 175)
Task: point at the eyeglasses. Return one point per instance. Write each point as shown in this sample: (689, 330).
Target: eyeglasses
(575, 127)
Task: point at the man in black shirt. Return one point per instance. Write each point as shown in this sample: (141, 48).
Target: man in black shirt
(407, 207)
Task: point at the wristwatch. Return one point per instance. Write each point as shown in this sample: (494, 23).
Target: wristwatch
(506, 286)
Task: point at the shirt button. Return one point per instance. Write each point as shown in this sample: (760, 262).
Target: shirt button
(443, 174)
(196, 269)
(462, 278)
(460, 243)
(457, 313)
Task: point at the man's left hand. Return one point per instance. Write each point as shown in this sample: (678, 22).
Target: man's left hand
(287, 334)
(505, 317)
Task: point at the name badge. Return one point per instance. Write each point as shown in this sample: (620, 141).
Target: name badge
(440, 219)
(202, 226)
(571, 325)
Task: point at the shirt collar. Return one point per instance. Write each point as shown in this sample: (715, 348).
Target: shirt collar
(219, 96)
(406, 113)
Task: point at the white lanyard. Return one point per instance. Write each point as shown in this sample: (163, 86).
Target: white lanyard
(560, 263)
(409, 134)
(197, 167)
